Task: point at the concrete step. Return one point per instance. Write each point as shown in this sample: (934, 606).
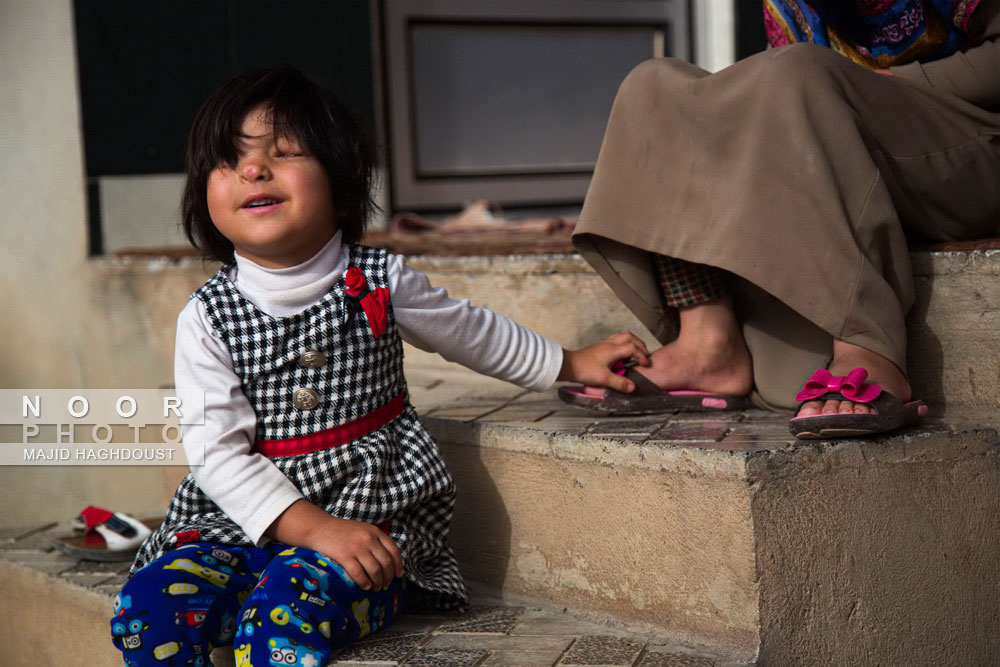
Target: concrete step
(55, 610)
(724, 531)
(693, 538)
(953, 360)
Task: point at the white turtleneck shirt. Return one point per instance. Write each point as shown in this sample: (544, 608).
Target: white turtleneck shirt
(245, 485)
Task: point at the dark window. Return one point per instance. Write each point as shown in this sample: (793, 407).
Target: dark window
(144, 67)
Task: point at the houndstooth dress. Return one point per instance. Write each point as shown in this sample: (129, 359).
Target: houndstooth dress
(393, 474)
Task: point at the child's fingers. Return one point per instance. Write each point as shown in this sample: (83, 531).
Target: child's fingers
(639, 349)
(397, 557)
(618, 382)
(641, 354)
(628, 350)
(644, 357)
(387, 566)
(373, 568)
(356, 572)
(627, 345)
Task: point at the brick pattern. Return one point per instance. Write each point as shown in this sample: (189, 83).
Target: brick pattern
(743, 432)
(494, 636)
(487, 635)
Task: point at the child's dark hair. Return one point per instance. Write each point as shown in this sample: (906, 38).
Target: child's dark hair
(298, 107)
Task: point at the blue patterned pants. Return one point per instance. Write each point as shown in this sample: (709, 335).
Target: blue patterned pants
(277, 605)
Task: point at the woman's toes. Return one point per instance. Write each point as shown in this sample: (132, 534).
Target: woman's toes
(810, 409)
(831, 407)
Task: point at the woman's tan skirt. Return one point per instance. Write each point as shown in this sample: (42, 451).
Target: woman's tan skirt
(801, 173)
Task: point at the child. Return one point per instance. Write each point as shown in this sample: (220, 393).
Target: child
(323, 506)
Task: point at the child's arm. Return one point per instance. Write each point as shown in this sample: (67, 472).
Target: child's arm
(495, 345)
(368, 555)
(245, 484)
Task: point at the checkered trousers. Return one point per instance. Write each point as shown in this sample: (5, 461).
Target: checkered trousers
(688, 284)
(394, 474)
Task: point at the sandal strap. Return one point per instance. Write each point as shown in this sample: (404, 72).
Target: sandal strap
(115, 530)
(643, 385)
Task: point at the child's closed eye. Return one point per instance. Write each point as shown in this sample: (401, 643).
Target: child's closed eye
(289, 150)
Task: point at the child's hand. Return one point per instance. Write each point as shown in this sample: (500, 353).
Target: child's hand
(592, 365)
(367, 554)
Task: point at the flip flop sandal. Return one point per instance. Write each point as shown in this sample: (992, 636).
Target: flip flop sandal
(890, 413)
(648, 399)
(106, 536)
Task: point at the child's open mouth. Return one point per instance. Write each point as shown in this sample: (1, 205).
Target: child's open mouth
(261, 204)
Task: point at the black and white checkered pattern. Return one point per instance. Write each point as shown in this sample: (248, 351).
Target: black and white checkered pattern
(395, 473)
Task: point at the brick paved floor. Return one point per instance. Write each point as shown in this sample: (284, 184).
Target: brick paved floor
(490, 634)
(445, 397)
(463, 397)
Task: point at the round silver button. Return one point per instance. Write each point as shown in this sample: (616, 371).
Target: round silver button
(312, 359)
(305, 399)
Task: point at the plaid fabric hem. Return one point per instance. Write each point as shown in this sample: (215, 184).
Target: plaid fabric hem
(689, 284)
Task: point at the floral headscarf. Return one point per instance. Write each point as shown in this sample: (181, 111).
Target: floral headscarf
(874, 33)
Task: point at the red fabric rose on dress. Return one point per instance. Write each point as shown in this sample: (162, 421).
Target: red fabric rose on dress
(374, 303)
(355, 281)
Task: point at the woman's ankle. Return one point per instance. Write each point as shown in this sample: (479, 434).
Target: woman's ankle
(709, 353)
(712, 328)
(881, 371)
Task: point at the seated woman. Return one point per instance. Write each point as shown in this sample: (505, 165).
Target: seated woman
(765, 209)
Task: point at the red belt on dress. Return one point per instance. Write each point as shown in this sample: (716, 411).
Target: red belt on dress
(335, 435)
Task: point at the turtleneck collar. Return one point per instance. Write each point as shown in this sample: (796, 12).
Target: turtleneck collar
(283, 292)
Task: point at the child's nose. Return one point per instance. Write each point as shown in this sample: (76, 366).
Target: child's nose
(253, 169)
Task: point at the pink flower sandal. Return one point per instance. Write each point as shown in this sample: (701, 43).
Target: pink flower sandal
(890, 413)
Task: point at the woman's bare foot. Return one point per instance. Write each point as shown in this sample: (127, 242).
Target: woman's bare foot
(708, 355)
(881, 371)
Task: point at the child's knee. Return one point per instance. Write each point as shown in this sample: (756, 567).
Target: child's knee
(149, 629)
(175, 609)
(292, 601)
(310, 571)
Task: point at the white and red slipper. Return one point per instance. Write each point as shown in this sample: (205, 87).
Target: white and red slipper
(106, 535)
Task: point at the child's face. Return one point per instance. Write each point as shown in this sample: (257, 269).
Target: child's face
(274, 204)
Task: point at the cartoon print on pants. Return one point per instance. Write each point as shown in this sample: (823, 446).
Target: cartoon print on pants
(360, 610)
(284, 614)
(193, 617)
(199, 657)
(250, 621)
(129, 629)
(309, 591)
(227, 629)
(242, 653)
(378, 616)
(121, 602)
(166, 651)
(287, 652)
(320, 578)
(213, 577)
(181, 588)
